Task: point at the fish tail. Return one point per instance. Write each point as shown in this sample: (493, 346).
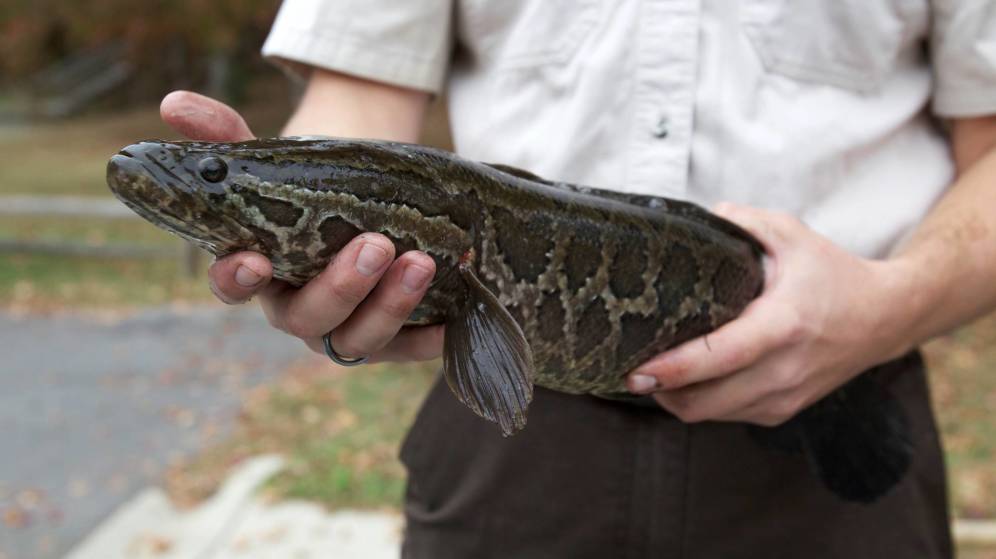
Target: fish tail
(857, 440)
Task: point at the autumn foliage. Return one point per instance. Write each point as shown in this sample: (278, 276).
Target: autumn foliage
(170, 41)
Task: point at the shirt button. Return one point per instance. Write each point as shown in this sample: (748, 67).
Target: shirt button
(661, 129)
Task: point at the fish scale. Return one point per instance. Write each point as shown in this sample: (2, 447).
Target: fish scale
(538, 282)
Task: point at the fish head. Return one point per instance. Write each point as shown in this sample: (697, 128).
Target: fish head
(203, 192)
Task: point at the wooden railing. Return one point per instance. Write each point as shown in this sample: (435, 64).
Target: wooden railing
(189, 257)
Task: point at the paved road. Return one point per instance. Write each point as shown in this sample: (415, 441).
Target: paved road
(91, 411)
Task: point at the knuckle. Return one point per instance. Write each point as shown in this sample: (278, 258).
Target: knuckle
(793, 329)
(787, 220)
(738, 358)
(674, 371)
(672, 378)
(298, 326)
(346, 292)
(350, 348)
(786, 377)
(396, 309)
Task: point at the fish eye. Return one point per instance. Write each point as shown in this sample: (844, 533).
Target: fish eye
(212, 169)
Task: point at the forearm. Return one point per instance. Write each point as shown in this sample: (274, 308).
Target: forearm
(339, 105)
(945, 274)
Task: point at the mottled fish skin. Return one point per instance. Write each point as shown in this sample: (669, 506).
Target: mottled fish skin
(598, 281)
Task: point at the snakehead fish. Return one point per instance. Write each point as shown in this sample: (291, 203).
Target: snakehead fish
(538, 282)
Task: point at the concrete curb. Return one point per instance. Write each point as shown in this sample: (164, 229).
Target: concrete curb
(235, 523)
(149, 526)
(976, 533)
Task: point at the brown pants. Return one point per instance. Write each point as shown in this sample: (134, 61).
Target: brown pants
(602, 479)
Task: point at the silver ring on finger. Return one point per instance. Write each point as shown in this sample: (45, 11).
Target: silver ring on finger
(339, 359)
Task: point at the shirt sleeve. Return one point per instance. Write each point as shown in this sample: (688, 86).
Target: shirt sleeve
(963, 52)
(405, 43)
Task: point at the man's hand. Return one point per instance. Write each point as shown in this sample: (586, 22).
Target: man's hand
(825, 315)
(364, 295)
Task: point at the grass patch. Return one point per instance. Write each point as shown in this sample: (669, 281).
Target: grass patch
(91, 231)
(339, 428)
(963, 376)
(41, 283)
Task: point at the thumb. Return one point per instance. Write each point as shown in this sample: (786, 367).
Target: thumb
(203, 118)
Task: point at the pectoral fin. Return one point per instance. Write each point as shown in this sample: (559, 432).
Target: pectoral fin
(486, 359)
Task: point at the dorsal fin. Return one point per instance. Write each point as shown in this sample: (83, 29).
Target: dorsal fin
(642, 200)
(517, 172)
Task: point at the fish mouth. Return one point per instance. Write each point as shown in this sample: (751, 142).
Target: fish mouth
(155, 159)
(129, 179)
(135, 169)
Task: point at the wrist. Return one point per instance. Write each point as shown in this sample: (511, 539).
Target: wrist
(903, 300)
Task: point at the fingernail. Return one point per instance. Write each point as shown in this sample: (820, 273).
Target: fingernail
(642, 383)
(371, 259)
(245, 277)
(415, 278)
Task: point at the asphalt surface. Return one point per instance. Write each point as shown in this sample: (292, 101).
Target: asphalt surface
(93, 410)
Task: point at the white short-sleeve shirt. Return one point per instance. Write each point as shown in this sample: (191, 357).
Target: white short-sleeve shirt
(823, 109)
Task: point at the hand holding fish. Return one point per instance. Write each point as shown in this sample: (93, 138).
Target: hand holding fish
(364, 295)
(825, 316)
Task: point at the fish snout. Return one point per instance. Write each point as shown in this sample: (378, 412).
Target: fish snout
(122, 170)
(152, 152)
(145, 164)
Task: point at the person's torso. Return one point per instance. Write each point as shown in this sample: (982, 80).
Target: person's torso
(811, 107)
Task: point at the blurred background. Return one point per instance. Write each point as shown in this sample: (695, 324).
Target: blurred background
(120, 371)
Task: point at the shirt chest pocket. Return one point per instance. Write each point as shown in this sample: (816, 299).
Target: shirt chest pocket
(521, 34)
(852, 44)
